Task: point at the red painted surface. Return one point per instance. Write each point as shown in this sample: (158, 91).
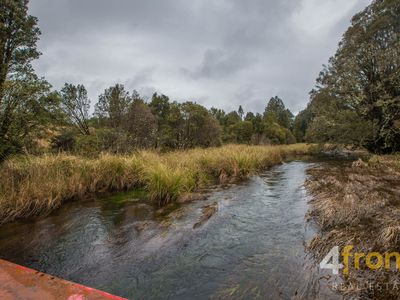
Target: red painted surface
(20, 283)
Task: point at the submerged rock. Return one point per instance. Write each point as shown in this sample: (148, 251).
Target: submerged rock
(207, 212)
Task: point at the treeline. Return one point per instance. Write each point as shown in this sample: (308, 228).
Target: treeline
(357, 97)
(124, 122)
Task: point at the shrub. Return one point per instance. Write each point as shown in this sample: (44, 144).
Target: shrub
(63, 142)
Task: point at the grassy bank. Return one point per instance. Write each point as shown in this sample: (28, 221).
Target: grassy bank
(359, 205)
(34, 185)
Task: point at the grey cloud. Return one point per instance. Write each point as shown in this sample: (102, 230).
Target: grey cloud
(217, 63)
(218, 53)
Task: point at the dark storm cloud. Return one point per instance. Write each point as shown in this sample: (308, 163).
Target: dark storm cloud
(218, 53)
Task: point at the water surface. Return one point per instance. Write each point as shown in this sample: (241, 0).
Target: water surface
(253, 247)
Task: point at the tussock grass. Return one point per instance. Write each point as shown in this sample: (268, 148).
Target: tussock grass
(35, 185)
(358, 205)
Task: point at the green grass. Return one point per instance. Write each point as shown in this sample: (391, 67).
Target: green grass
(33, 185)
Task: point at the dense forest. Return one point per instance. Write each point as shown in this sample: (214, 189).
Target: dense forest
(356, 100)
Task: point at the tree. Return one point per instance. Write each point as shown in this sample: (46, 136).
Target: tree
(257, 121)
(362, 80)
(243, 132)
(141, 124)
(25, 100)
(232, 118)
(27, 105)
(249, 116)
(277, 112)
(113, 105)
(344, 128)
(301, 124)
(240, 112)
(160, 105)
(18, 36)
(219, 114)
(75, 104)
(200, 127)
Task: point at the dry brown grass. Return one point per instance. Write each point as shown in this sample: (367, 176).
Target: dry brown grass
(357, 205)
(34, 185)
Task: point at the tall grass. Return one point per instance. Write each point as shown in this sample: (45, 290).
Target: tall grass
(34, 185)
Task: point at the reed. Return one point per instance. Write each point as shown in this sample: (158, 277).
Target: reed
(34, 185)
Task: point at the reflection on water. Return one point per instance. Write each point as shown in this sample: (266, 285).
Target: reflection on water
(252, 247)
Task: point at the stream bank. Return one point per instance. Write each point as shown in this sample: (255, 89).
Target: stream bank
(358, 205)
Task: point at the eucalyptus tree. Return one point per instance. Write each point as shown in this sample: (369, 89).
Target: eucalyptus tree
(76, 104)
(25, 100)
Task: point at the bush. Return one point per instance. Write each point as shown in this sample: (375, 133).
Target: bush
(88, 145)
(63, 142)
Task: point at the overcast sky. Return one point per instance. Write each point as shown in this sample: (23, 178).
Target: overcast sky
(216, 52)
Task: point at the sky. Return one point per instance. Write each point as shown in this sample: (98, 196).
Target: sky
(219, 53)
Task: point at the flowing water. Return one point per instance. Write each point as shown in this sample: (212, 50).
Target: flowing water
(252, 247)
